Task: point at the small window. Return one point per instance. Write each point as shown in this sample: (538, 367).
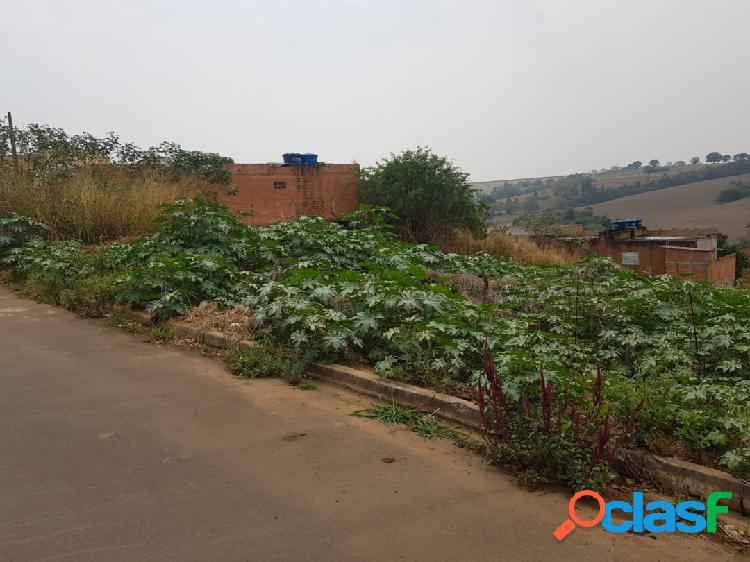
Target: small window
(279, 185)
(630, 258)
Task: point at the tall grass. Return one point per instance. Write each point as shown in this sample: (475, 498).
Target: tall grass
(93, 204)
(522, 249)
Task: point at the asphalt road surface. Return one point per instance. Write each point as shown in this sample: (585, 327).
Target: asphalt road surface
(115, 448)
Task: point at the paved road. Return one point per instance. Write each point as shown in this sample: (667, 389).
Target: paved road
(116, 449)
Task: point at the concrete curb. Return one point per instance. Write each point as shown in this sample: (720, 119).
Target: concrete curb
(442, 405)
(682, 476)
(668, 472)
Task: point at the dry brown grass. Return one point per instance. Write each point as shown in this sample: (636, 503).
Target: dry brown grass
(235, 323)
(93, 205)
(521, 249)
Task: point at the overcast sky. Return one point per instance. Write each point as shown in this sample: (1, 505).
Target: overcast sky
(506, 88)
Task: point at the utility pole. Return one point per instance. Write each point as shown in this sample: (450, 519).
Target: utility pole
(12, 141)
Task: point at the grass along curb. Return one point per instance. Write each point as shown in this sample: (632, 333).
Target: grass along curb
(670, 473)
(441, 405)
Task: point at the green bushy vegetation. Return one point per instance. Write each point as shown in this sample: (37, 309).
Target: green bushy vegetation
(162, 334)
(736, 192)
(429, 195)
(587, 218)
(674, 355)
(551, 438)
(742, 260)
(49, 153)
(17, 230)
(267, 361)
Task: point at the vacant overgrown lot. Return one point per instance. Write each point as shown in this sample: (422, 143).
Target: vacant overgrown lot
(624, 358)
(95, 203)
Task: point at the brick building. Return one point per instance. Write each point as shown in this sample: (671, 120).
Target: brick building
(277, 192)
(684, 252)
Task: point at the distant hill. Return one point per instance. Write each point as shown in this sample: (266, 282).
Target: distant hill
(555, 196)
(605, 179)
(488, 186)
(690, 205)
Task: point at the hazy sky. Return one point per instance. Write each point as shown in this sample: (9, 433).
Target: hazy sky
(506, 88)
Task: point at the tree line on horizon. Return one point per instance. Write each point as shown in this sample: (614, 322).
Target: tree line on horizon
(50, 152)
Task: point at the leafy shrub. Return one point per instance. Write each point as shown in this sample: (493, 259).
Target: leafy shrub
(725, 248)
(68, 274)
(162, 333)
(430, 195)
(198, 226)
(369, 216)
(168, 284)
(56, 265)
(267, 361)
(550, 438)
(89, 296)
(18, 230)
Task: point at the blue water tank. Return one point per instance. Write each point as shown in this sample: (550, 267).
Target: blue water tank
(292, 158)
(310, 159)
(624, 224)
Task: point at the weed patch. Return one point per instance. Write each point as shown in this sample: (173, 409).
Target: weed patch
(422, 423)
(162, 334)
(266, 361)
(126, 322)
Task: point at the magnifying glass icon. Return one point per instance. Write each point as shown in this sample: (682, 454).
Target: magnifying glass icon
(569, 524)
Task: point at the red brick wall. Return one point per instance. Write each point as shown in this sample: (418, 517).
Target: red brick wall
(687, 262)
(722, 271)
(650, 256)
(326, 190)
(701, 264)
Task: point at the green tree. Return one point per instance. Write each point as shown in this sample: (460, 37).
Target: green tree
(49, 152)
(713, 157)
(430, 195)
(530, 204)
(725, 248)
